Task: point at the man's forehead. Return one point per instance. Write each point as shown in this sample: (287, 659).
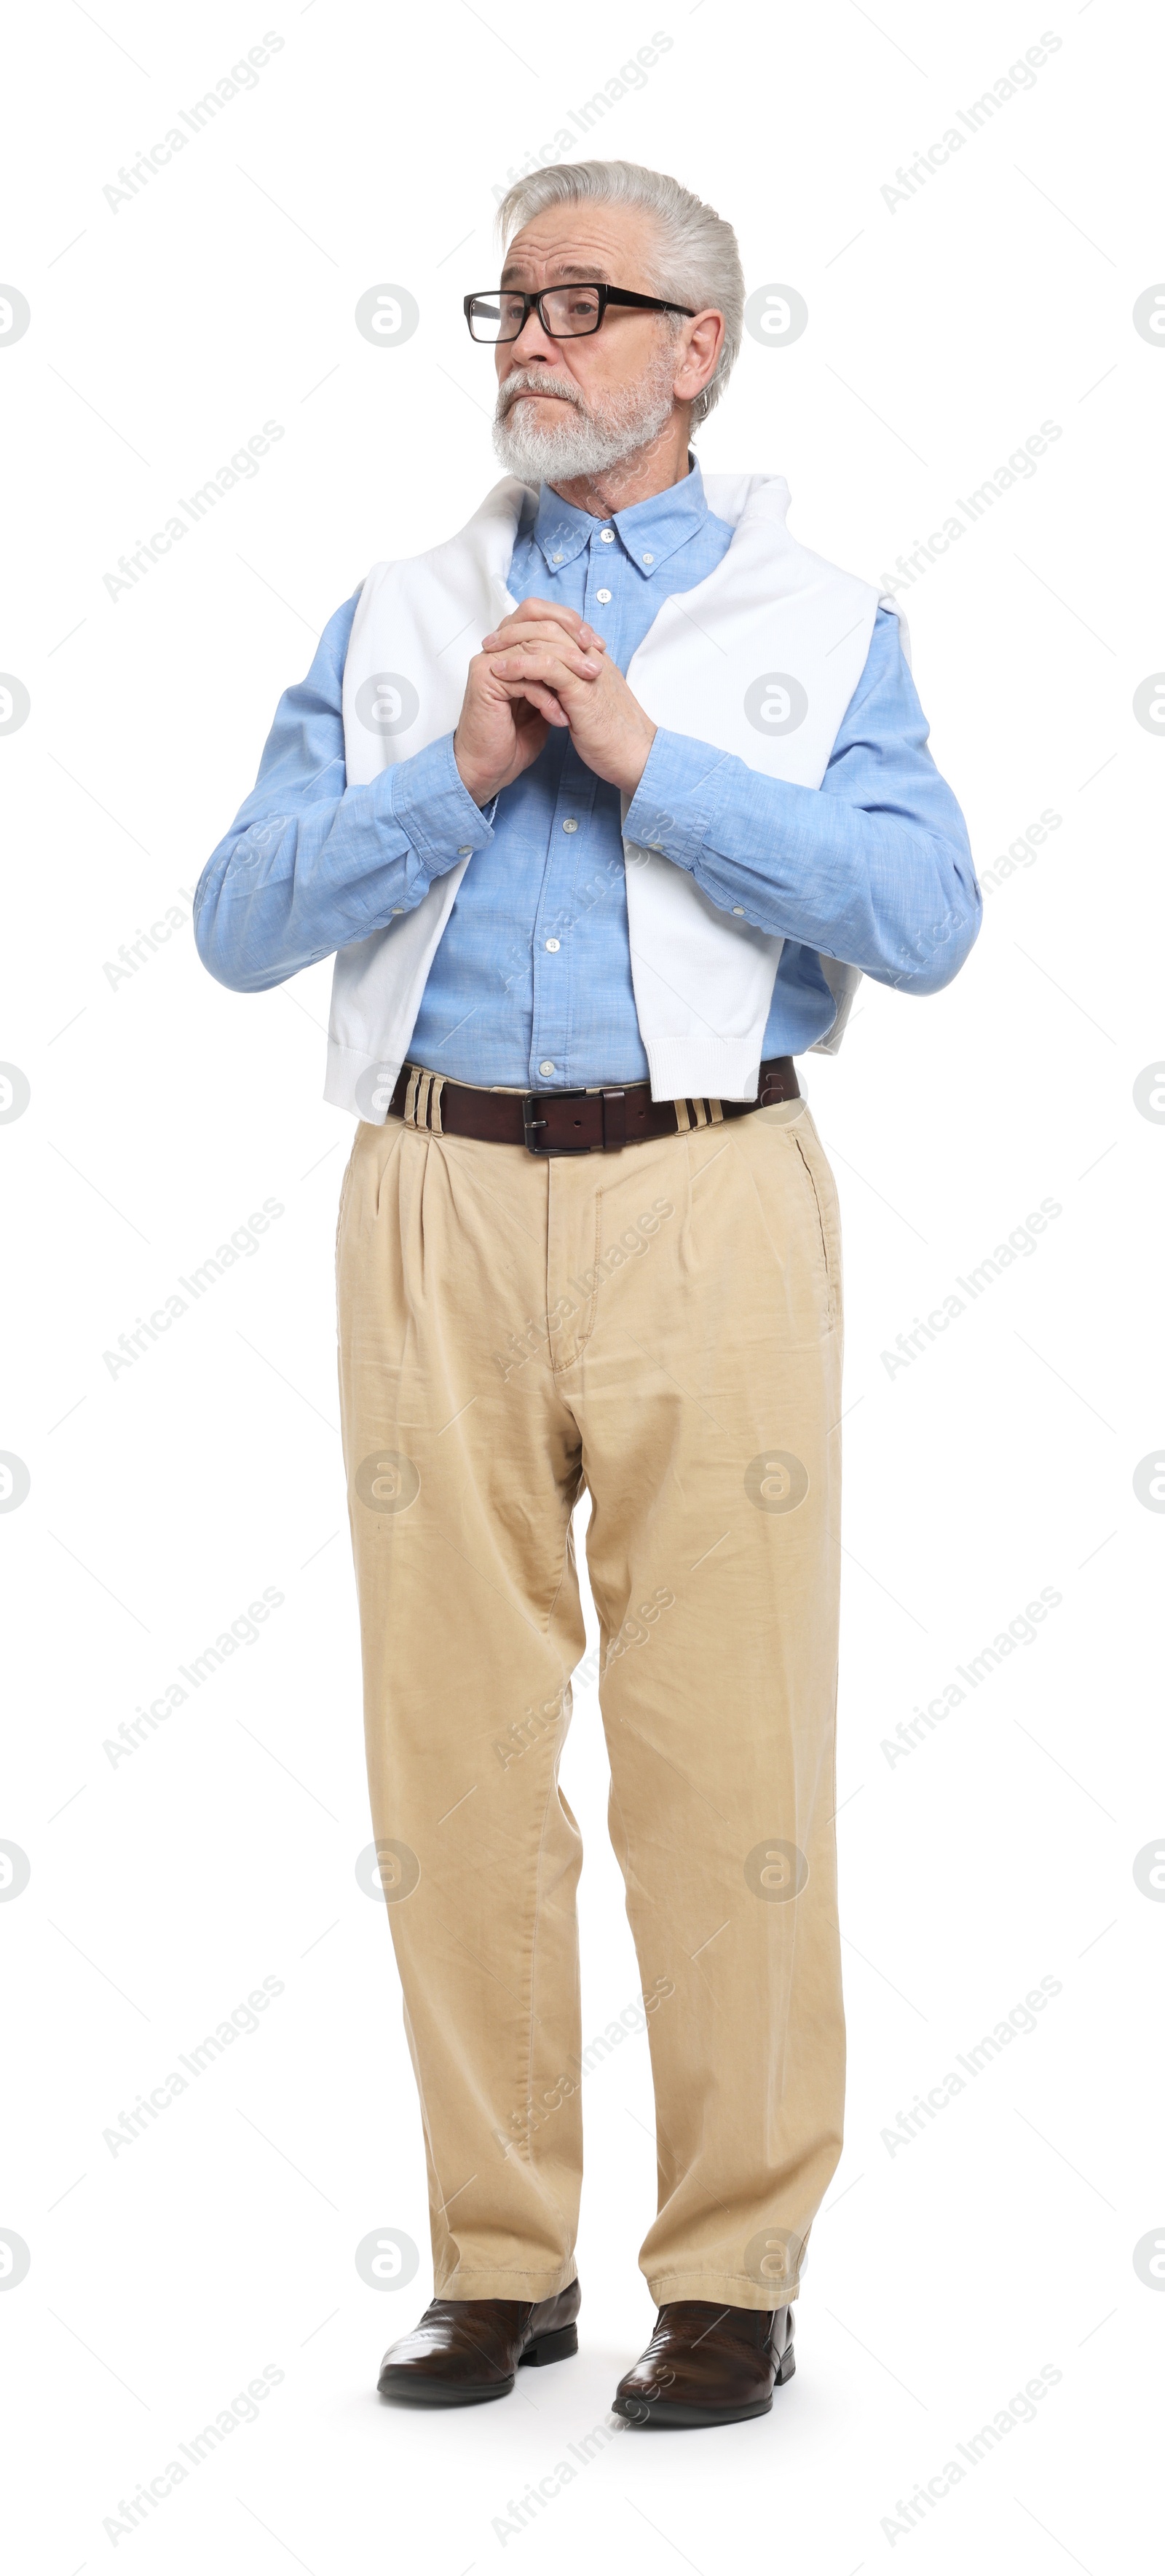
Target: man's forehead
(571, 243)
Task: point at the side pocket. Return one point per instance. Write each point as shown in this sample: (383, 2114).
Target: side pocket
(821, 1183)
(345, 1188)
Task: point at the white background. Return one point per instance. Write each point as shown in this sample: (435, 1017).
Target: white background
(1000, 1849)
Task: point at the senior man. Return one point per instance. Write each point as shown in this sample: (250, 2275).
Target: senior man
(604, 805)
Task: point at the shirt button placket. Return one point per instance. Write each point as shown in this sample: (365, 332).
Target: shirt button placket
(600, 566)
(549, 1047)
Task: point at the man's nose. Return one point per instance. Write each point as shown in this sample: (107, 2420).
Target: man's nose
(533, 343)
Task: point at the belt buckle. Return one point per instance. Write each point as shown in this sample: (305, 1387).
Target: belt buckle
(530, 1102)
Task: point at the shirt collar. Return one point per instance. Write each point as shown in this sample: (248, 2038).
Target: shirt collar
(650, 531)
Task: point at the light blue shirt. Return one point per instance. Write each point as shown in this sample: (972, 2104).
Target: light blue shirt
(531, 983)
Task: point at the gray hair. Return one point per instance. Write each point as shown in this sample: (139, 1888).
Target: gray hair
(697, 260)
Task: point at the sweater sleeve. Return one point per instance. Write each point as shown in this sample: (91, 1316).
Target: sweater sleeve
(873, 867)
(310, 864)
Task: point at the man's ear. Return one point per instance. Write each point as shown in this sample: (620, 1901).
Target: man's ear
(705, 340)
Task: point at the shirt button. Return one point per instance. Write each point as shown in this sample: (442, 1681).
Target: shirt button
(397, 907)
(571, 823)
(602, 596)
(466, 850)
(554, 945)
(649, 558)
(547, 1067)
(738, 907)
(556, 559)
(607, 536)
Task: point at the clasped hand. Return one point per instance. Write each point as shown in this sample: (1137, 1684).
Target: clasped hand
(544, 667)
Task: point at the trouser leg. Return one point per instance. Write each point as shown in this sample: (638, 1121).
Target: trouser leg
(708, 1396)
(461, 1483)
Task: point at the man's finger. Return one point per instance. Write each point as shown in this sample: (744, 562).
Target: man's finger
(532, 610)
(553, 608)
(544, 656)
(586, 641)
(519, 638)
(543, 700)
(518, 672)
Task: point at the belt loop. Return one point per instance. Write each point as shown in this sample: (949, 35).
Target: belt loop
(716, 1113)
(434, 1111)
(614, 1121)
(779, 1082)
(683, 1117)
(409, 1111)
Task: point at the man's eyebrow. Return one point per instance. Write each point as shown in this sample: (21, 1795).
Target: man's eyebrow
(573, 271)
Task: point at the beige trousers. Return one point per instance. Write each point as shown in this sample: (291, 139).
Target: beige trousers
(662, 1327)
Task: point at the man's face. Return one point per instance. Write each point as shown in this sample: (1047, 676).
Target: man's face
(571, 407)
(570, 244)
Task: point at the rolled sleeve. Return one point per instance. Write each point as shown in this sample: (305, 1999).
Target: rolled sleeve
(675, 804)
(430, 801)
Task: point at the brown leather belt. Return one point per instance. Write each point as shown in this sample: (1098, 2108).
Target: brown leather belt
(571, 1122)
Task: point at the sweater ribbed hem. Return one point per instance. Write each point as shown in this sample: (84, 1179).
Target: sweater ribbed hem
(703, 1068)
(362, 1084)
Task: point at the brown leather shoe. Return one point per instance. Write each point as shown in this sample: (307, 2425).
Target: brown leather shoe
(708, 2365)
(467, 2350)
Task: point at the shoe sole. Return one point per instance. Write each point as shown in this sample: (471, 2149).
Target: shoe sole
(662, 2414)
(421, 2391)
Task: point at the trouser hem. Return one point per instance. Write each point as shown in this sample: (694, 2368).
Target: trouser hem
(470, 2284)
(727, 2289)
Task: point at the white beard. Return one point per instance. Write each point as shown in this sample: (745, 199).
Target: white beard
(584, 442)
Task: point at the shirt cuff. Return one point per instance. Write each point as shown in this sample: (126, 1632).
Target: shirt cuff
(673, 804)
(430, 801)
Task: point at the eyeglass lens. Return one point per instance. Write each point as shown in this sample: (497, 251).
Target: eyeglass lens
(568, 310)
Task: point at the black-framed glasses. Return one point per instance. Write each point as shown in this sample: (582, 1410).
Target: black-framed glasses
(565, 312)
